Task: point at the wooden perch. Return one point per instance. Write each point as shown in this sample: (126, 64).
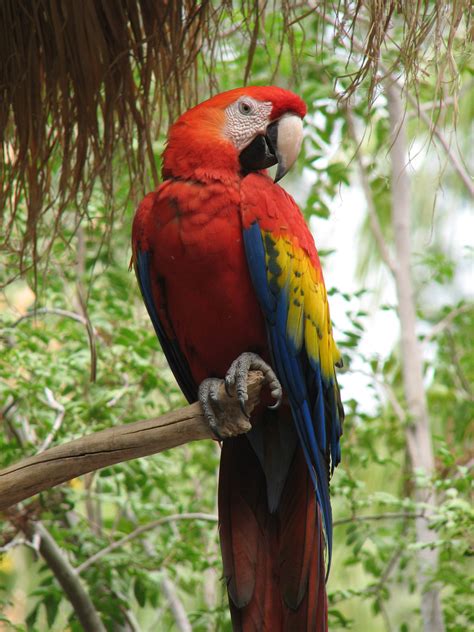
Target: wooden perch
(115, 445)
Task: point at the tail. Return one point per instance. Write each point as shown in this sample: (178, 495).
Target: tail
(271, 532)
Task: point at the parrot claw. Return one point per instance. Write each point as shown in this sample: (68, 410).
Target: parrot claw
(229, 420)
(237, 378)
(222, 419)
(243, 409)
(227, 387)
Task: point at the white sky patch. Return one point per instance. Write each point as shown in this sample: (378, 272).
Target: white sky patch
(340, 233)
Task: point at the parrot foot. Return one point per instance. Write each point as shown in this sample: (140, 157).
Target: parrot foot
(224, 420)
(237, 377)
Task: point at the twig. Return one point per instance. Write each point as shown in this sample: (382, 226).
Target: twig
(375, 518)
(388, 75)
(51, 310)
(389, 392)
(17, 541)
(302, 17)
(22, 433)
(84, 320)
(90, 332)
(175, 604)
(66, 576)
(434, 130)
(118, 544)
(373, 217)
(59, 408)
(126, 385)
(445, 322)
(463, 382)
(120, 443)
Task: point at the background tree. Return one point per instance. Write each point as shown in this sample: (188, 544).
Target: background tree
(87, 94)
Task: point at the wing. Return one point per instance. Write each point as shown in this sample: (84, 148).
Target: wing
(287, 278)
(153, 292)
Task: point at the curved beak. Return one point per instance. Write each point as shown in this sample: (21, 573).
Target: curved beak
(285, 136)
(280, 145)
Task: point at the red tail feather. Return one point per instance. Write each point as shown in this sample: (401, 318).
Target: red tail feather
(273, 562)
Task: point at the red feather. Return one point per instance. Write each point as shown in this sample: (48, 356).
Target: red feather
(273, 563)
(189, 233)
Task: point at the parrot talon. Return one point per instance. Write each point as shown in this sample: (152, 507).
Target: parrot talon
(224, 420)
(242, 408)
(275, 405)
(227, 386)
(238, 374)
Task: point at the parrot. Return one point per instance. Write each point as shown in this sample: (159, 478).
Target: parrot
(232, 281)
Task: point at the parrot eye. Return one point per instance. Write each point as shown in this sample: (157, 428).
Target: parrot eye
(245, 108)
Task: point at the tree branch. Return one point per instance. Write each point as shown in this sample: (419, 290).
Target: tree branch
(377, 517)
(149, 526)
(66, 576)
(59, 408)
(445, 322)
(84, 320)
(417, 432)
(115, 445)
(435, 131)
(176, 606)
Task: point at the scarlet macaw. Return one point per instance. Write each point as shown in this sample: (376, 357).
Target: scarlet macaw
(231, 277)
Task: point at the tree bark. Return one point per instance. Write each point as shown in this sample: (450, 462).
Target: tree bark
(115, 445)
(418, 433)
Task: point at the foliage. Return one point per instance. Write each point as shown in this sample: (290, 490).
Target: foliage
(79, 84)
(47, 358)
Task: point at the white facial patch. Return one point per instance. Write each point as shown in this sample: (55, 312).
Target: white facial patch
(246, 118)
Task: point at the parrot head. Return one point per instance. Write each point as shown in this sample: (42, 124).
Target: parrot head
(235, 133)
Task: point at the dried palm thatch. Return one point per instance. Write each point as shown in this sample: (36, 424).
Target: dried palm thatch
(81, 80)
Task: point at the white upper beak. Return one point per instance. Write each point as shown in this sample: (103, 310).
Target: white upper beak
(290, 137)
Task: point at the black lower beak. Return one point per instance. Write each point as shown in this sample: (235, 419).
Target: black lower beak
(260, 154)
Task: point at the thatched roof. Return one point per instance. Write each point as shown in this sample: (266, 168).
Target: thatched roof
(78, 80)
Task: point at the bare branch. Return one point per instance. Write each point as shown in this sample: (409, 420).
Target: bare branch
(461, 380)
(126, 385)
(90, 332)
(17, 541)
(377, 517)
(175, 604)
(417, 432)
(42, 311)
(446, 322)
(17, 426)
(59, 408)
(84, 320)
(66, 576)
(388, 390)
(364, 177)
(435, 131)
(115, 445)
(150, 526)
(118, 544)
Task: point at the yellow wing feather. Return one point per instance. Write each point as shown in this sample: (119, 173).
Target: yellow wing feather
(308, 320)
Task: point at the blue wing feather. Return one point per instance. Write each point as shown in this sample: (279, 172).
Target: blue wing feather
(312, 396)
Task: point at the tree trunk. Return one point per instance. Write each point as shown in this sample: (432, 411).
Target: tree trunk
(418, 433)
